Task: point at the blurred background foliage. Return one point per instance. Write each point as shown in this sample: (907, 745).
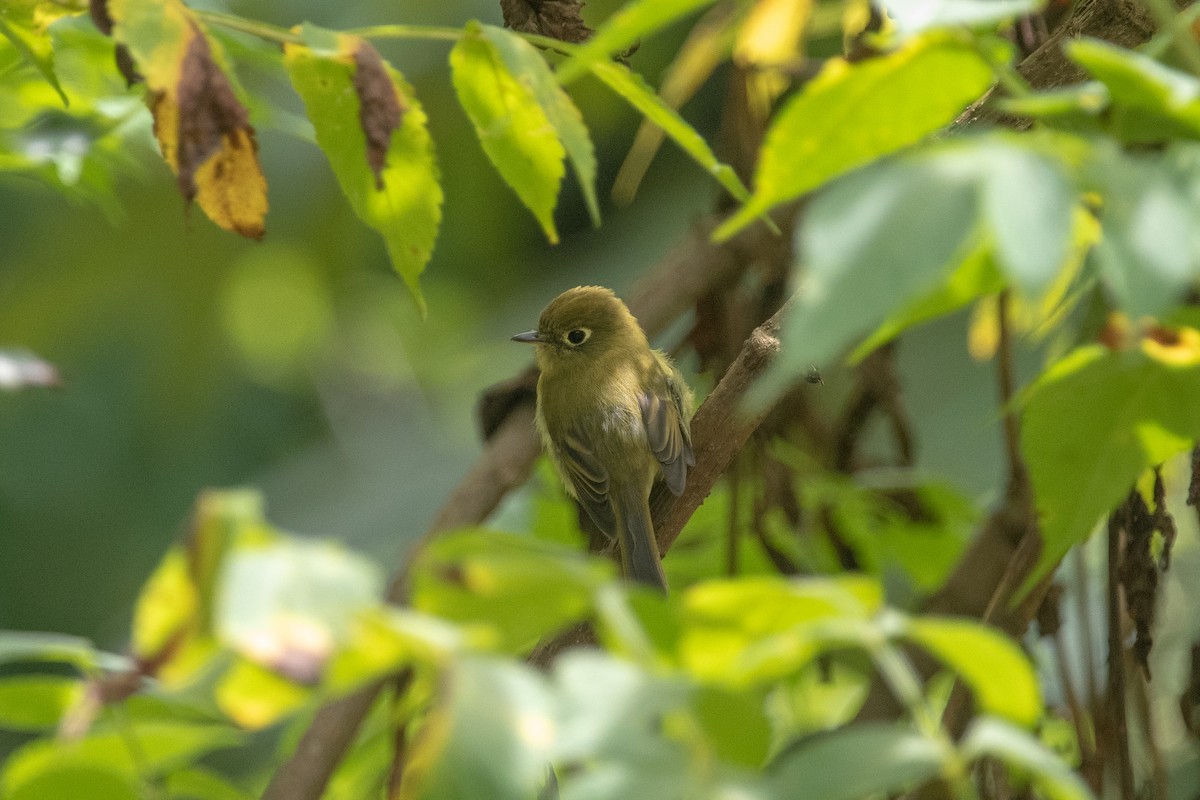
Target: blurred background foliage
(191, 358)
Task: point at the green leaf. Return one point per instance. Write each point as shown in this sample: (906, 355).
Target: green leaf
(490, 736)
(36, 49)
(92, 781)
(824, 695)
(267, 591)
(198, 783)
(1150, 102)
(1018, 750)
(913, 552)
(513, 128)
(735, 723)
(851, 114)
(915, 16)
(855, 762)
(286, 606)
(1075, 107)
(384, 640)
(34, 646)
(603, 703)
(620, 31)
(609, 716)
(992, 665)
(169, 604)
(1028, 205)
(634, 90)
(175, 618)
(161, 747)
(407, 212)
(975, 277)
(1150, 251)
(870, 245)
(527, 66)
(752, 630)
(506, 590)
(1096, 420)
(34, 703)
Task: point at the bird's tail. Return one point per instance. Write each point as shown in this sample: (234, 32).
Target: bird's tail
(635, 534)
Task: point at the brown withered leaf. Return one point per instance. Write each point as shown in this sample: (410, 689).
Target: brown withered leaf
(558, 19)
(100, 16)
(233, 191)
(380, 108)
(127, 66)
(104, 23)
(208, 112)
(206, 138)
(228, 185)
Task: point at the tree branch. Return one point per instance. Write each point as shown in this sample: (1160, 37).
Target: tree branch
(719, 430)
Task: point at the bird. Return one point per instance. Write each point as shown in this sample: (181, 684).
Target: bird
(614, 417)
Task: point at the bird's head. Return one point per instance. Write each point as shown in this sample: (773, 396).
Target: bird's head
(583, 325)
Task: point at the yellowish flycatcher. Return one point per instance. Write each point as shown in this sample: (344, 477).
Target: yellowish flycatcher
(613, 415)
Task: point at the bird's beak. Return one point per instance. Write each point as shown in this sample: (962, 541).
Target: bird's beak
(529, 337)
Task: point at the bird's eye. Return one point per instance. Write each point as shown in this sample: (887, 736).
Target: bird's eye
(577, 336)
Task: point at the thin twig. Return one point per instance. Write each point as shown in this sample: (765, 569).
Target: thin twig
(1084, 610)
(400, 746)
(1093, 766)
(1007, 377)
(1080, 715)
(1159, 780)
(1116, 654)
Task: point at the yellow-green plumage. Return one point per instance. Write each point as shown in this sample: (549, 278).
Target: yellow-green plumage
(613, 416)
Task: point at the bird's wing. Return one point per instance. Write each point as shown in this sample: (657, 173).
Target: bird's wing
(588, 478)
(667, 432)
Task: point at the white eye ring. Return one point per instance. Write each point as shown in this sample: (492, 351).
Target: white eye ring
(577, 336)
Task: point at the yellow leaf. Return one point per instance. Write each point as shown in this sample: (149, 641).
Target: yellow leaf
(773, 33)
(856, 17)
(1176, 347)
(167, 605)
(772, 37)
(255, 697)
(983, 334)
(231, 187)
(201, 126)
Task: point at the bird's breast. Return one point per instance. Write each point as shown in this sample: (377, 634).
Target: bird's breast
(601, 405)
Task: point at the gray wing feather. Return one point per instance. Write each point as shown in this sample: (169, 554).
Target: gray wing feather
(589, 478)
(667, 434)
